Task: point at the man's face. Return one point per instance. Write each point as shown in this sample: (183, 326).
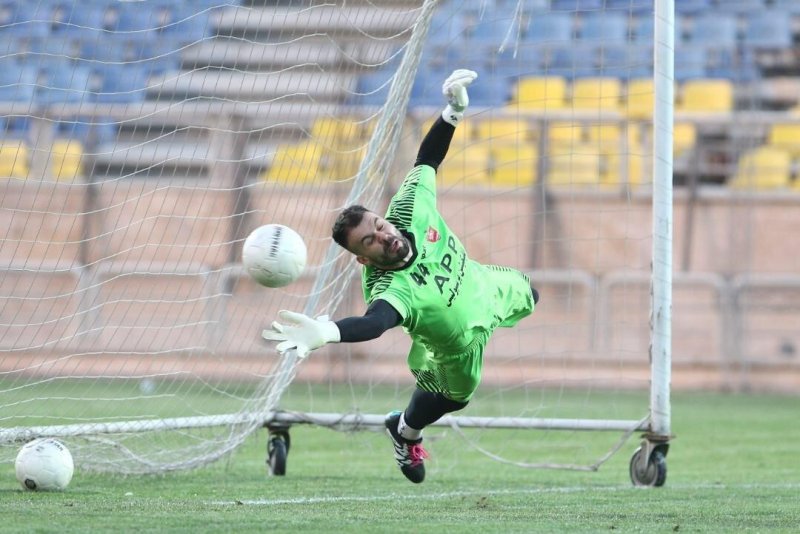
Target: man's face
(377, 242)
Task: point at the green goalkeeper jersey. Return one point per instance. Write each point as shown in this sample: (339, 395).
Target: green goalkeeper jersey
(444, 298)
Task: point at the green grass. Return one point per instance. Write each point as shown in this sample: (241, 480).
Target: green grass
(732, 467)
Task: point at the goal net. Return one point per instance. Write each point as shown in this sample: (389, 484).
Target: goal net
(143, 141)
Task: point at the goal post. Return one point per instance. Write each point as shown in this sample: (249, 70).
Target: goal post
(129, 327)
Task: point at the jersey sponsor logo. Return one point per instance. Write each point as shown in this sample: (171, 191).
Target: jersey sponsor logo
(432, 235)
(447, 275)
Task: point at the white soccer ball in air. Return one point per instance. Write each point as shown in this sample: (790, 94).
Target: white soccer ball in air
(44, 464)
(274, 255)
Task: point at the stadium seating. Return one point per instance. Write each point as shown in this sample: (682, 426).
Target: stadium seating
(547, 92)
(514, 165)
(768, 29)
(596, 94)
(14, 159)
(604, 26)
(65, 160)
(785, 136)
(639, 97)
(763, 168)
(706, 96)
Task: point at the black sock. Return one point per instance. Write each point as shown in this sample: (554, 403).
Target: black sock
(425, 408)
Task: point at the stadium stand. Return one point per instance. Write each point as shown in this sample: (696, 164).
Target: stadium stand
(61, 52)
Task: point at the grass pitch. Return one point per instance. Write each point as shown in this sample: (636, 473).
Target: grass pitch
(733, 467)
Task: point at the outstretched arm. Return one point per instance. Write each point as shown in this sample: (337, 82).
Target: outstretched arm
(300, 332)
(437, 141)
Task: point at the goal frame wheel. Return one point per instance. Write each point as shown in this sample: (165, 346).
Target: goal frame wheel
(648, 466)
(278, 445)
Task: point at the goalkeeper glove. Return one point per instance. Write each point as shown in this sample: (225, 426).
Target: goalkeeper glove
(302, 333)
(454, 89)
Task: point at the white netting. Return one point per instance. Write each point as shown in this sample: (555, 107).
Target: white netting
(143, 141)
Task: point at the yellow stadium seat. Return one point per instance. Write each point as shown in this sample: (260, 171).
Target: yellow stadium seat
(343, 131)
(564, 133)
(505, 130)
(296, 164)
(707, 96)
(684, 136)
(65, 159)
(605, 135)
(639, 98)
(469, 165)
(580, 166)
(14, 159)
(546, 92)
(765, 167)
(785, 136)
(514, 165)
(596, 93)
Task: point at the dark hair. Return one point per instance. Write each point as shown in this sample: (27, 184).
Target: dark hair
(348, 219)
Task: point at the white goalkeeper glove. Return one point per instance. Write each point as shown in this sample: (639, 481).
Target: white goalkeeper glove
(454, 89)
(301, 332)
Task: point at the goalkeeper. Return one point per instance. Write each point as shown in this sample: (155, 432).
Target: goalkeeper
(417, 275)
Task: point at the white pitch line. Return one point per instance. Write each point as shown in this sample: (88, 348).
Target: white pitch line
(451, 494)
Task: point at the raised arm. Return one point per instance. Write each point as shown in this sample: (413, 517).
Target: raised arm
(434, 146)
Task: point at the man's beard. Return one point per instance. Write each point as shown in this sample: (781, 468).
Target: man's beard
(392, 257)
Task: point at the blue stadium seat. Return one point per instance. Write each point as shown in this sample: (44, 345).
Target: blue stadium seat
(121, 83)
(158, 55)
(55, 50)
(625, 60)
(491, 91)
(17, 81)
(571, 60)
(790, 6)
(688, 7)
(190, 23)
(87, 130)
(372, 88)
(731, 63)
(61, 83)
(24, 18)
(604, 26)
(576, 5)
(549, 28)
(99, 49)
(741, 6)
(718, 29)
(523, 60)
(635, 7)
(690, 61)
(427, 89)
(644, 29)
(82, 19)
(768, 29)
(490, 28)
(133, 20)
(16, 128)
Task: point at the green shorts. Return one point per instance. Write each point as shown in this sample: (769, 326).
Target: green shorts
(456, 376)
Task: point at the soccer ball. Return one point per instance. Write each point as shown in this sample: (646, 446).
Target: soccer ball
(274, 255)
(44, 464)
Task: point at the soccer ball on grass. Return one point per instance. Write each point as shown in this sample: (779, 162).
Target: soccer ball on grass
(274, 255)
(44, 464)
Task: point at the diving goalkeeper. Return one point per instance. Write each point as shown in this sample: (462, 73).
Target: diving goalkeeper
(417, 275)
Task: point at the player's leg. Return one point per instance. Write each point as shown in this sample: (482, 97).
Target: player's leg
(444, 385)
(408, 452)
